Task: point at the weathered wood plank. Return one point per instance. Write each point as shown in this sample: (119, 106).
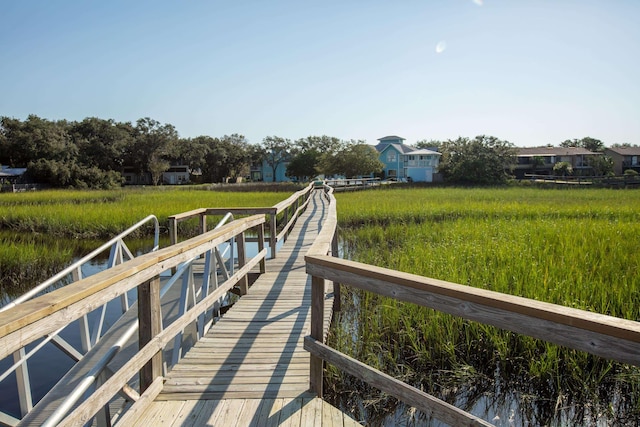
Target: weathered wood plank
(598, 334)
(143, 403)
(45, 314)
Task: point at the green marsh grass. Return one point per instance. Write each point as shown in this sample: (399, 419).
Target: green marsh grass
(102, 214)
(42, 231)
(576, 248)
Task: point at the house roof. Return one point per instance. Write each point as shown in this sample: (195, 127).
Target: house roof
(401, 148)
(626, 151)
(7, 171)
(391, 138)
(554, 151)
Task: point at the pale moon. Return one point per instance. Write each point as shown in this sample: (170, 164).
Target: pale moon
(441, 46)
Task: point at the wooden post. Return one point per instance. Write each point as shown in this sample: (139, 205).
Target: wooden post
(150, 319)
(203, 223)
(317, 332)
(273, 234)
(263, 263)
(173, 231)
(336, 285)
(243, 284)
(173, 236)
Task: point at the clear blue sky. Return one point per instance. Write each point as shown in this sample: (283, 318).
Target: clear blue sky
(529, 71)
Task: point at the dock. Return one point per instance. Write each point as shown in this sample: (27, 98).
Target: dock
(251, 369)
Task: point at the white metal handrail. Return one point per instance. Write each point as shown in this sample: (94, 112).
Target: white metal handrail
(118, 250)
(75, 266)
(98, 368)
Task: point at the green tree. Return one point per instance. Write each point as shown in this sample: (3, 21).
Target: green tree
(303, 164)
(307, 152)
(563, 168)
(151, 143)
(591, 144)
(429, 144)
(602, 165)
(34, 139)
(101, 143)
(483, 160)
(276, 151)
(355, 158)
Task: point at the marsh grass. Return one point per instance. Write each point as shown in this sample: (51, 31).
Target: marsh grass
(576, 248)
(102, 214)
(41, 232)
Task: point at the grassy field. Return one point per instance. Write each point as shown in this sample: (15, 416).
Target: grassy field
(573, 247)
(41, 231)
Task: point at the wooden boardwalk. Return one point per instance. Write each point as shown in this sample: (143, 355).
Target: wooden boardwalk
(251, 368)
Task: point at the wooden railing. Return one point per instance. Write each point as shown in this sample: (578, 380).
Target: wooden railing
(352, 183)
(605, 336)
(286, 211)
(34, 319)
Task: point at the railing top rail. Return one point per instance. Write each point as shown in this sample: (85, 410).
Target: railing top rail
(275, 209)
(322, 244)
(186, 215)
(291, 199)
(586, 320)
(241, 211)
(42, 286)
(133, 272)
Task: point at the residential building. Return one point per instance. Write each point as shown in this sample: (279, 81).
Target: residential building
(541, 160)
(264, 172)
(404, 162)
(624, 158)
(175, 175)
(11, 175)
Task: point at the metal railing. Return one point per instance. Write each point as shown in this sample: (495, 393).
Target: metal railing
(89, 337)
(68, 403)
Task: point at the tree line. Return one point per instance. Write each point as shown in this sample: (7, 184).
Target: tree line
(94, 152)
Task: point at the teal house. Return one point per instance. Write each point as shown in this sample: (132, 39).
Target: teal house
(262, 171)
(406, 163)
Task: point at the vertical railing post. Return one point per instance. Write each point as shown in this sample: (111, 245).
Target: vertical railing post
(243, 284)
(150, 321)
(173, 231)
(336, 285)
(24, 385)
(203, 223)
(273, 234)
(317, 332)
(263, 263)
(173, 236)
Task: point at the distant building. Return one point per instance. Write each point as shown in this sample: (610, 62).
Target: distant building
(175, 175)
(624, 158)
(263, 171)
(11, 175)
(404, 162)
(541, 160)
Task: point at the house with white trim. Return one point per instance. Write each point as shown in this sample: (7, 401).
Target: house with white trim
(406, 163)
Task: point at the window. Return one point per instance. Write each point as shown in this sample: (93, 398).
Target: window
(391, 156)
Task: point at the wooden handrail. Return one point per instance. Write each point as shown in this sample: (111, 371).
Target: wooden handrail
(539, 319)
(271, 212)
(45, 314)
(386, 383)
(598, 334)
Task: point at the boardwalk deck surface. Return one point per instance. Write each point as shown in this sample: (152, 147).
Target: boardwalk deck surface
(251, 368)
